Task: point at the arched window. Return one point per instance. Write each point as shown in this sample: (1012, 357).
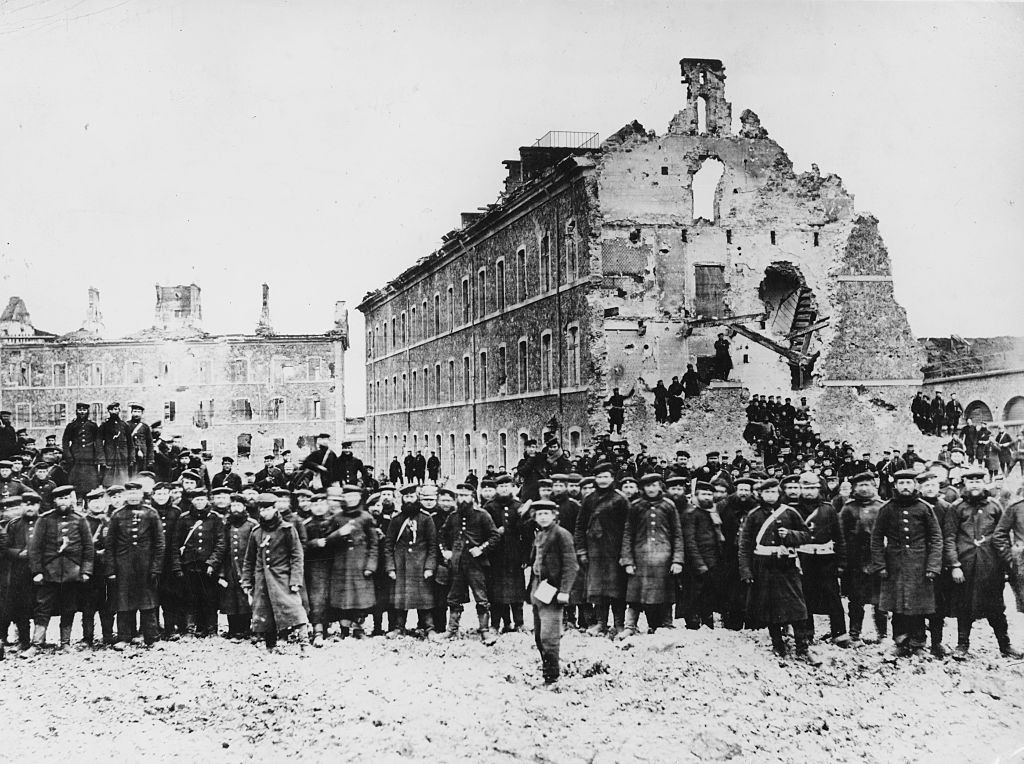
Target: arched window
(703, 187)
(1014, 411)
(978, 412)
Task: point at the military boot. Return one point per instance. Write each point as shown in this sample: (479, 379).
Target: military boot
(629, 625)
(452, 632)
(487, 635)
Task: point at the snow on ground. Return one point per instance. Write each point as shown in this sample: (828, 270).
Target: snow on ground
(676, 696)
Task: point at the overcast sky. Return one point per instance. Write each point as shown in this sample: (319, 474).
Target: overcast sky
(325, 146)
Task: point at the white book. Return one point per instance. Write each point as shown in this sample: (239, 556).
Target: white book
(545, 592)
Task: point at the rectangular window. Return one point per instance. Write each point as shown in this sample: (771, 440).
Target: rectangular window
(502, 369)
(522, 367)
(572, 351)
(169, 411)
(405, 391)
(405, 336)
(451, 381)
(425, 329)
(313, 369)
(545, 360)
(521, 275)
(25, 375)
(412, 324)
(241, 409)
(60, 375)
(316, 409)
(437, 314)
(278, 374)
(238, 370)
(415, 389)
(451, 309)
(481, 375)
(465, 301)
(58, 414)
(545, 264)
(499, 285)
(466, 391)
(275, 408)
(22, 415)
(437, 383)
(710, 290)
(503, 449)
(394, 334)
(481, 293)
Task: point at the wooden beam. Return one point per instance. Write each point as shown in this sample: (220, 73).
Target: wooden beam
(821, 324)
(726, 320)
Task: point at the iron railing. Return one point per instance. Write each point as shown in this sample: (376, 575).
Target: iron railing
(568, 139)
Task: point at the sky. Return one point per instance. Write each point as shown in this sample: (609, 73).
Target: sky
(322, 147)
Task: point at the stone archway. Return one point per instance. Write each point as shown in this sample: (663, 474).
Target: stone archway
(1014, 409)
(978, 412)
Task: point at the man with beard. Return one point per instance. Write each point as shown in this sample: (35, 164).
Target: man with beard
(321, 460)
(929, 487)
(680, 468)
(17, 592)
(348, 469)
(355, 546)
(652, 555)
(674, 400)
(319, 525)
(978, 568)
(227, 478)
(200, 543)
(598, 543)
(822, 560)
(768, 564)
(906, 552)
(171, 590)
(270, 477)
(466, 540)
(115, 435)
(553, 569)
(568, 512)
(860, 585)
(272, 576)
(141, 441)
(60, 554)
(507, 587)
(702, 540)
(529, 471)
(710, 470)
(439, 504)
(382, 515)
(233, 602)
(97, 594)
(411, 553)
(733, 510)
(9, 486)
(136, 549)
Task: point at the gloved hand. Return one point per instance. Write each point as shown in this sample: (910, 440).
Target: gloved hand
(392, 575)
(37, 578)
(428, 574)
(563, 598)
(958, 576)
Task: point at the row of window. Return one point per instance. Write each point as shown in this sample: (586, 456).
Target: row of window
(511, 284)
(95, 374)
(458, 454)
(239, 410)
(483, 377)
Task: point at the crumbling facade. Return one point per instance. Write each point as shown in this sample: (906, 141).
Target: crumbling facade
(616, 265)
(236, 395)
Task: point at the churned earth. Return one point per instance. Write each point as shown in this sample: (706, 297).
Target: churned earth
(673, 696)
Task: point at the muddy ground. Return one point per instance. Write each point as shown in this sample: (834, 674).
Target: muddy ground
(673, 696)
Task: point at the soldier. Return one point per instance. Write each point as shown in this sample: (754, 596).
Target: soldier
(61, 556)
(652, 555)
(321, 460)
(439, 503)
(978, 568)
(411, 553)
(822, 561)
(768, 564)
(201, 546)
(929, 487)
(270, 477)
(135, 552)
(702, 541)
(598, 543)
(41, 484)
(97, 594)
(116, 437)
(348, 468)
(272, 576)
(355, 547)
(860, 585)
(233, 602)
(507, 586)
(466, 539)
(8, 436)
(17, 592)
(227, 478)
(141, 440)
(171, 592)
(319, 526)
(576, 614)
(433, 467)
(553, 571)
(9, 486)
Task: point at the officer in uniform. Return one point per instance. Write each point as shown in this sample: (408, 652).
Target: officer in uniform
(83, 451)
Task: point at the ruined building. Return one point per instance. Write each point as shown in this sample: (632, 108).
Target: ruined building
(615, 264)
(240, 395)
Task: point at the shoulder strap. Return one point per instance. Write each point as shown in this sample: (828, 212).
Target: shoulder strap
(767, 523)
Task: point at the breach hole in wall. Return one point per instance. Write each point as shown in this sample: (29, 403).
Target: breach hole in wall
(664, 170)
(816, 238)
(634, 236)
(704, 189)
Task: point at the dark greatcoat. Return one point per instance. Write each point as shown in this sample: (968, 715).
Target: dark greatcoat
(969, 544)
(598, 540)
(83, 454)
(1009, 542)
(568, 513)
(273, 564)
(353, 553)
(944, 581)
(776, 596)
(906, 542)
(61, 548)
(318, 566)
(136, 548)
(734, 592)
(170, 591)
(507, 582)
(411, 550)
(200, 541)
(821, 571)
(857, 520)
(652, 541)
(117, 451)
(703, 577)
(236, 541)
(17, 595)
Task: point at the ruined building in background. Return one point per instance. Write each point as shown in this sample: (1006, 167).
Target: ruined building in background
(607, 263)
(239, 395)
(985, 373)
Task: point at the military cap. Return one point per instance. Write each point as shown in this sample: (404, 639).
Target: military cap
(789, 479)
(744, 481)
(428, 490)
(8, 413)
(539, 504)
(544, 482)
(266, 500)
(62, 490)
(161, 487)
(17, 457)
(137, 407)
(464, 487)
(530, 442)
(22, 431)
(324, 436)
(809, 478)
(957, 450)
(95, 493)
(286, 452)
(237, 497)
(42, 466)
(78, 407)
(281, 492)
(683, 453)
(148, 474)
(407, 489)
(765, 485)
(503, 479)
(713, 454)
(346, 444)
(974, 473)
(189, 474)
(863, 477)
(269, 456)
(828, 472)
(334, 493)
(227, 460)
(720, 482)
(574, 478)
(220, 491)
(196, 451)
(50, 450)
(114, 405)
(488, 483)
(387, 486)
(350, 488)
(604, 467)
(904, 475)
(703, 485)
(651, 477)
(31, 497)
(302, 493)
(924, 477)
(197, 493)
(560, 477)
(184, 455)
(115, 489)
(11, 501)
(587, 481)
(156, 425)
(628, 479)
(446, 492)
(5, 463)
(672, 482)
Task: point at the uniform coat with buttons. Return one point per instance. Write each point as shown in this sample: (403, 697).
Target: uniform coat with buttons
(200, 541)
(236, 540)
(777, 594)
(318, 561)
(598, 542)
(1009, 542)
(170, 588)
(652, 541)
(944, 581)
(507, 580)
(116, 436)
(857, 520)
(83, 453)
(821, 571)
(61, 548)
(702, 541)
(568, 513)
(354, 553)
(135, 550)
(17, 596)
(410, 551)
(906, 542)
(274, 564)
(970, 526)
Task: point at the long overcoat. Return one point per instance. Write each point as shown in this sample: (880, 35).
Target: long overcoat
(776, 595)
(116, 436)
(857, 520)
(236, 541)
(318, 566)
(568, 513)
(598, 541)
(821, 571)
(652, 541)
(17, 594)
(136, 547)
(507, 581)
(969, 530)
(355, 551)
(733, 511)
(906, 542)
(1009, 542)
(61, 548)
(411, 550)
(273, 564)
(944, 581)
(702, 542)
(171, 589)
(82, 449)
